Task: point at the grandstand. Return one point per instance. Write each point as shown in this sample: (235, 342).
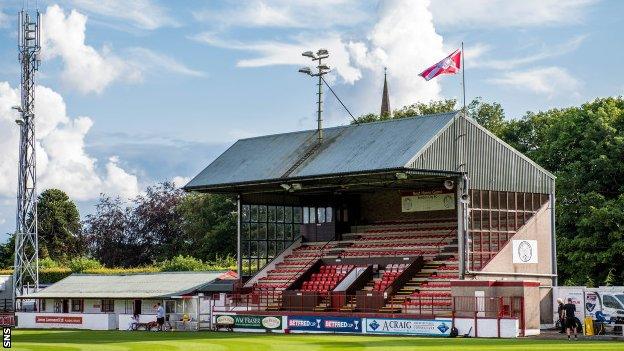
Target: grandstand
(382, 218)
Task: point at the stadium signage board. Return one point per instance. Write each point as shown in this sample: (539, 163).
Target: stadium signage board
(424, 327)
(251, 321)
(58, 319)
(328, 324)
(524, 251)
(7, 320)
(428, 202)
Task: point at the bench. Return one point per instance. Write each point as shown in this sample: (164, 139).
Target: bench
(227, 326)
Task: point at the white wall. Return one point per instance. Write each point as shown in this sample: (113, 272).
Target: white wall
(487, 327)
(101, 321)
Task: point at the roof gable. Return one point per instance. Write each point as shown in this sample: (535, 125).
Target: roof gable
(353, 148)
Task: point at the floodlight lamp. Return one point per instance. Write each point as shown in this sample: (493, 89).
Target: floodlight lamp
(449, 184)
(309, 54)
(19, 122)
(18, 108)
(305, 70)
(324, 67)
(285, 186)
(296, 186)
(322, 52)
(401, 175)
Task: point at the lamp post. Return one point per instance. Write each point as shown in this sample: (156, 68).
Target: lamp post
(322, 69)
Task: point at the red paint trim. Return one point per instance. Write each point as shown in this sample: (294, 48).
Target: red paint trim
(489, 283)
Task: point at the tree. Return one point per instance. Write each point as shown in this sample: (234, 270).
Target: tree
(108, 233)
(156, 223)
(7, 253)
(417, 109)
(59, 226)
(584, 147)
(209, 225)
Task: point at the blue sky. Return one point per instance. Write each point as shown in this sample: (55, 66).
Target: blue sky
(136, 92)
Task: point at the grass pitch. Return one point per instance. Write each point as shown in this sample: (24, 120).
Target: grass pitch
(53, 340)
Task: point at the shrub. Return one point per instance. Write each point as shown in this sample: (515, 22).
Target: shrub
(48, 263)
(182, 263)
(81, 264)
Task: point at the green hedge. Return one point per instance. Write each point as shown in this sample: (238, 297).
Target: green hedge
(53, 275)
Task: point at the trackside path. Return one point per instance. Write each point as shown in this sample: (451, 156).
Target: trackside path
(53, 340)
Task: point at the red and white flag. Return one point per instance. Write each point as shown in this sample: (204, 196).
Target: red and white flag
(450, 65)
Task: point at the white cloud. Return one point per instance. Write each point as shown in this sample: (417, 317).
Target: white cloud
(287, 13)
(504, 13)
(89, 70)
(550, 81)
(4, 19)
(403, 39)
(144, 14)
(146, 60)
(62, 161)
(179, 181)
(85, 68)
(544, 53)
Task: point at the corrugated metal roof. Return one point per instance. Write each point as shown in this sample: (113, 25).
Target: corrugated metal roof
(142, 285)
(352, 148)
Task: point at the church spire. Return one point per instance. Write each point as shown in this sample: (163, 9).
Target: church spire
(385, 98)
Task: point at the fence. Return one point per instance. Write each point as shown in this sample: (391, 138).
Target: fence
(6, 305)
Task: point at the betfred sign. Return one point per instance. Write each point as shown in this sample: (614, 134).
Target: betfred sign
(330, 324)
(425, 327)
(7, 320)
(58, 320)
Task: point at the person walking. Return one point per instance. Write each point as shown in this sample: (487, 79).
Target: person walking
(570, 320)
(160, 316)
(560, 312)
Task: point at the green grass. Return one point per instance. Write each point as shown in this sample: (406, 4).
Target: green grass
(54, 340)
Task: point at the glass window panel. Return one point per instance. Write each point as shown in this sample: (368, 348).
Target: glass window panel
(271, 249)
(262, 213)
(245, 216)
(271, 231)
(279, 247)
(297, 216)
(321, 214)
(296, 232)
(253, 249)
(312, 215)
(253, 231)
(271, 217)
(245, 248)
(280, 214)
(306, 215)
(288, 216)
(288, 231)
(262, 249)
(254, 213)
(280, 231)
(328, 214)
(245, 231)
(262, 231)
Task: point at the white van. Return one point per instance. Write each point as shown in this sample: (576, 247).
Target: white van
(605, 305)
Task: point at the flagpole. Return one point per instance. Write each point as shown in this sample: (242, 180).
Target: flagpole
(463, 55)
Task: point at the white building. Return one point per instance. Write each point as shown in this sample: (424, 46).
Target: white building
(105, 302)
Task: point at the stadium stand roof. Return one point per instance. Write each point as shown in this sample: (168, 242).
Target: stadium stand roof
(422, 143)
(140, 285)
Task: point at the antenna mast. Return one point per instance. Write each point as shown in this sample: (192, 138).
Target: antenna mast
(26, 264)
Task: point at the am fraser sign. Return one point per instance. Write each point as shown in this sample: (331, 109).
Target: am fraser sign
(428, 327)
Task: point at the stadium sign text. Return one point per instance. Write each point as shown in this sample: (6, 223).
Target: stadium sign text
(429, 202)
(58, 319)
(251, 322)
(433, 327)
(330, 324)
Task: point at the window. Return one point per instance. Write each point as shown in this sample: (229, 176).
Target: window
(107, 305)
(328, 214)
(610, 302)
(77, 305)
(266, 231)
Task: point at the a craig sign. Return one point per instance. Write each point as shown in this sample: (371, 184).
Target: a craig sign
(433, 327)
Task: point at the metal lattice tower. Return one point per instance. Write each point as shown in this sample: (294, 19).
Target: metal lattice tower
(26, 264)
